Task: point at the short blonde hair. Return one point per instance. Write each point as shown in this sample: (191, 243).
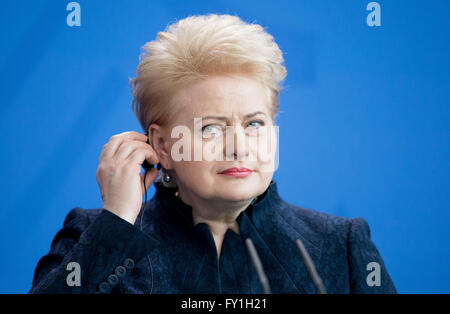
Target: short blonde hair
(194, 47)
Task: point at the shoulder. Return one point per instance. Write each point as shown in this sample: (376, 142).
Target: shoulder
(319, 222)
(342, 249)
(337, 235)
(75, 223)
(80, 216)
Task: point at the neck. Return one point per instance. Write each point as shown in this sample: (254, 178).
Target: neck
(218, 215)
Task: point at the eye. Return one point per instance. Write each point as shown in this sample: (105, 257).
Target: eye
(253, 126)
(211, 130)
(259, 122)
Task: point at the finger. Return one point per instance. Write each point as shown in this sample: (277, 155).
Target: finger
(139, 155)
(128, 147)
(149, 178)
(133, 135)
(110, 148)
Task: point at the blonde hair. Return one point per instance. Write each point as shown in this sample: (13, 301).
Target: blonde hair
(194, 47)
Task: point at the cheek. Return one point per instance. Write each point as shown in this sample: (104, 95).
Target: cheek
(212, 150)
(206, 149)
(266, 145)
(186, 148)
(189, 171)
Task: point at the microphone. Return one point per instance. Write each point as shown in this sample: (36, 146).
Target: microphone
(310, 267)
(258, 266)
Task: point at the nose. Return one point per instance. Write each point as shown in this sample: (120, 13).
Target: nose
(236, 143)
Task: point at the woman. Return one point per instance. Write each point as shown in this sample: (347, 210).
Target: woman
(206, 93)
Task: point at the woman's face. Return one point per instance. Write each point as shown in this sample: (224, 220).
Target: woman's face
(225, 122)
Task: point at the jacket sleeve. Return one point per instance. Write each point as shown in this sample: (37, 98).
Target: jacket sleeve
(90, 251)
(368, 273)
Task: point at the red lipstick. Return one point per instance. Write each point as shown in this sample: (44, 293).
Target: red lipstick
(237, 172)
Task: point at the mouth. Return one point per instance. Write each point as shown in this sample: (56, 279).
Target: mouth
(237, 172)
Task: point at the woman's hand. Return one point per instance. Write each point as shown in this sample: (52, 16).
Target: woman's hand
(118, 173)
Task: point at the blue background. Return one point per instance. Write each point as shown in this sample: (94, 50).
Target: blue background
(364, 121)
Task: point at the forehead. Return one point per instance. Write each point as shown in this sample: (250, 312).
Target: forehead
(230, 96)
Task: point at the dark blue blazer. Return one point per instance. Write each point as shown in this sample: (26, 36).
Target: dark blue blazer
(163, 252)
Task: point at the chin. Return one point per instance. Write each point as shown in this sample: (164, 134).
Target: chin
(239, 191)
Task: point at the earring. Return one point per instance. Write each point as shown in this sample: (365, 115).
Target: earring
(167, 178)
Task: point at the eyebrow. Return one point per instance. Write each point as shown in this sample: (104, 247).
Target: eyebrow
(225, 118)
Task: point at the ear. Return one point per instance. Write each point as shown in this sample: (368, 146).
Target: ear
(159, 142)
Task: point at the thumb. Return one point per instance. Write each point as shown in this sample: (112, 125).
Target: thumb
(149, 178)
